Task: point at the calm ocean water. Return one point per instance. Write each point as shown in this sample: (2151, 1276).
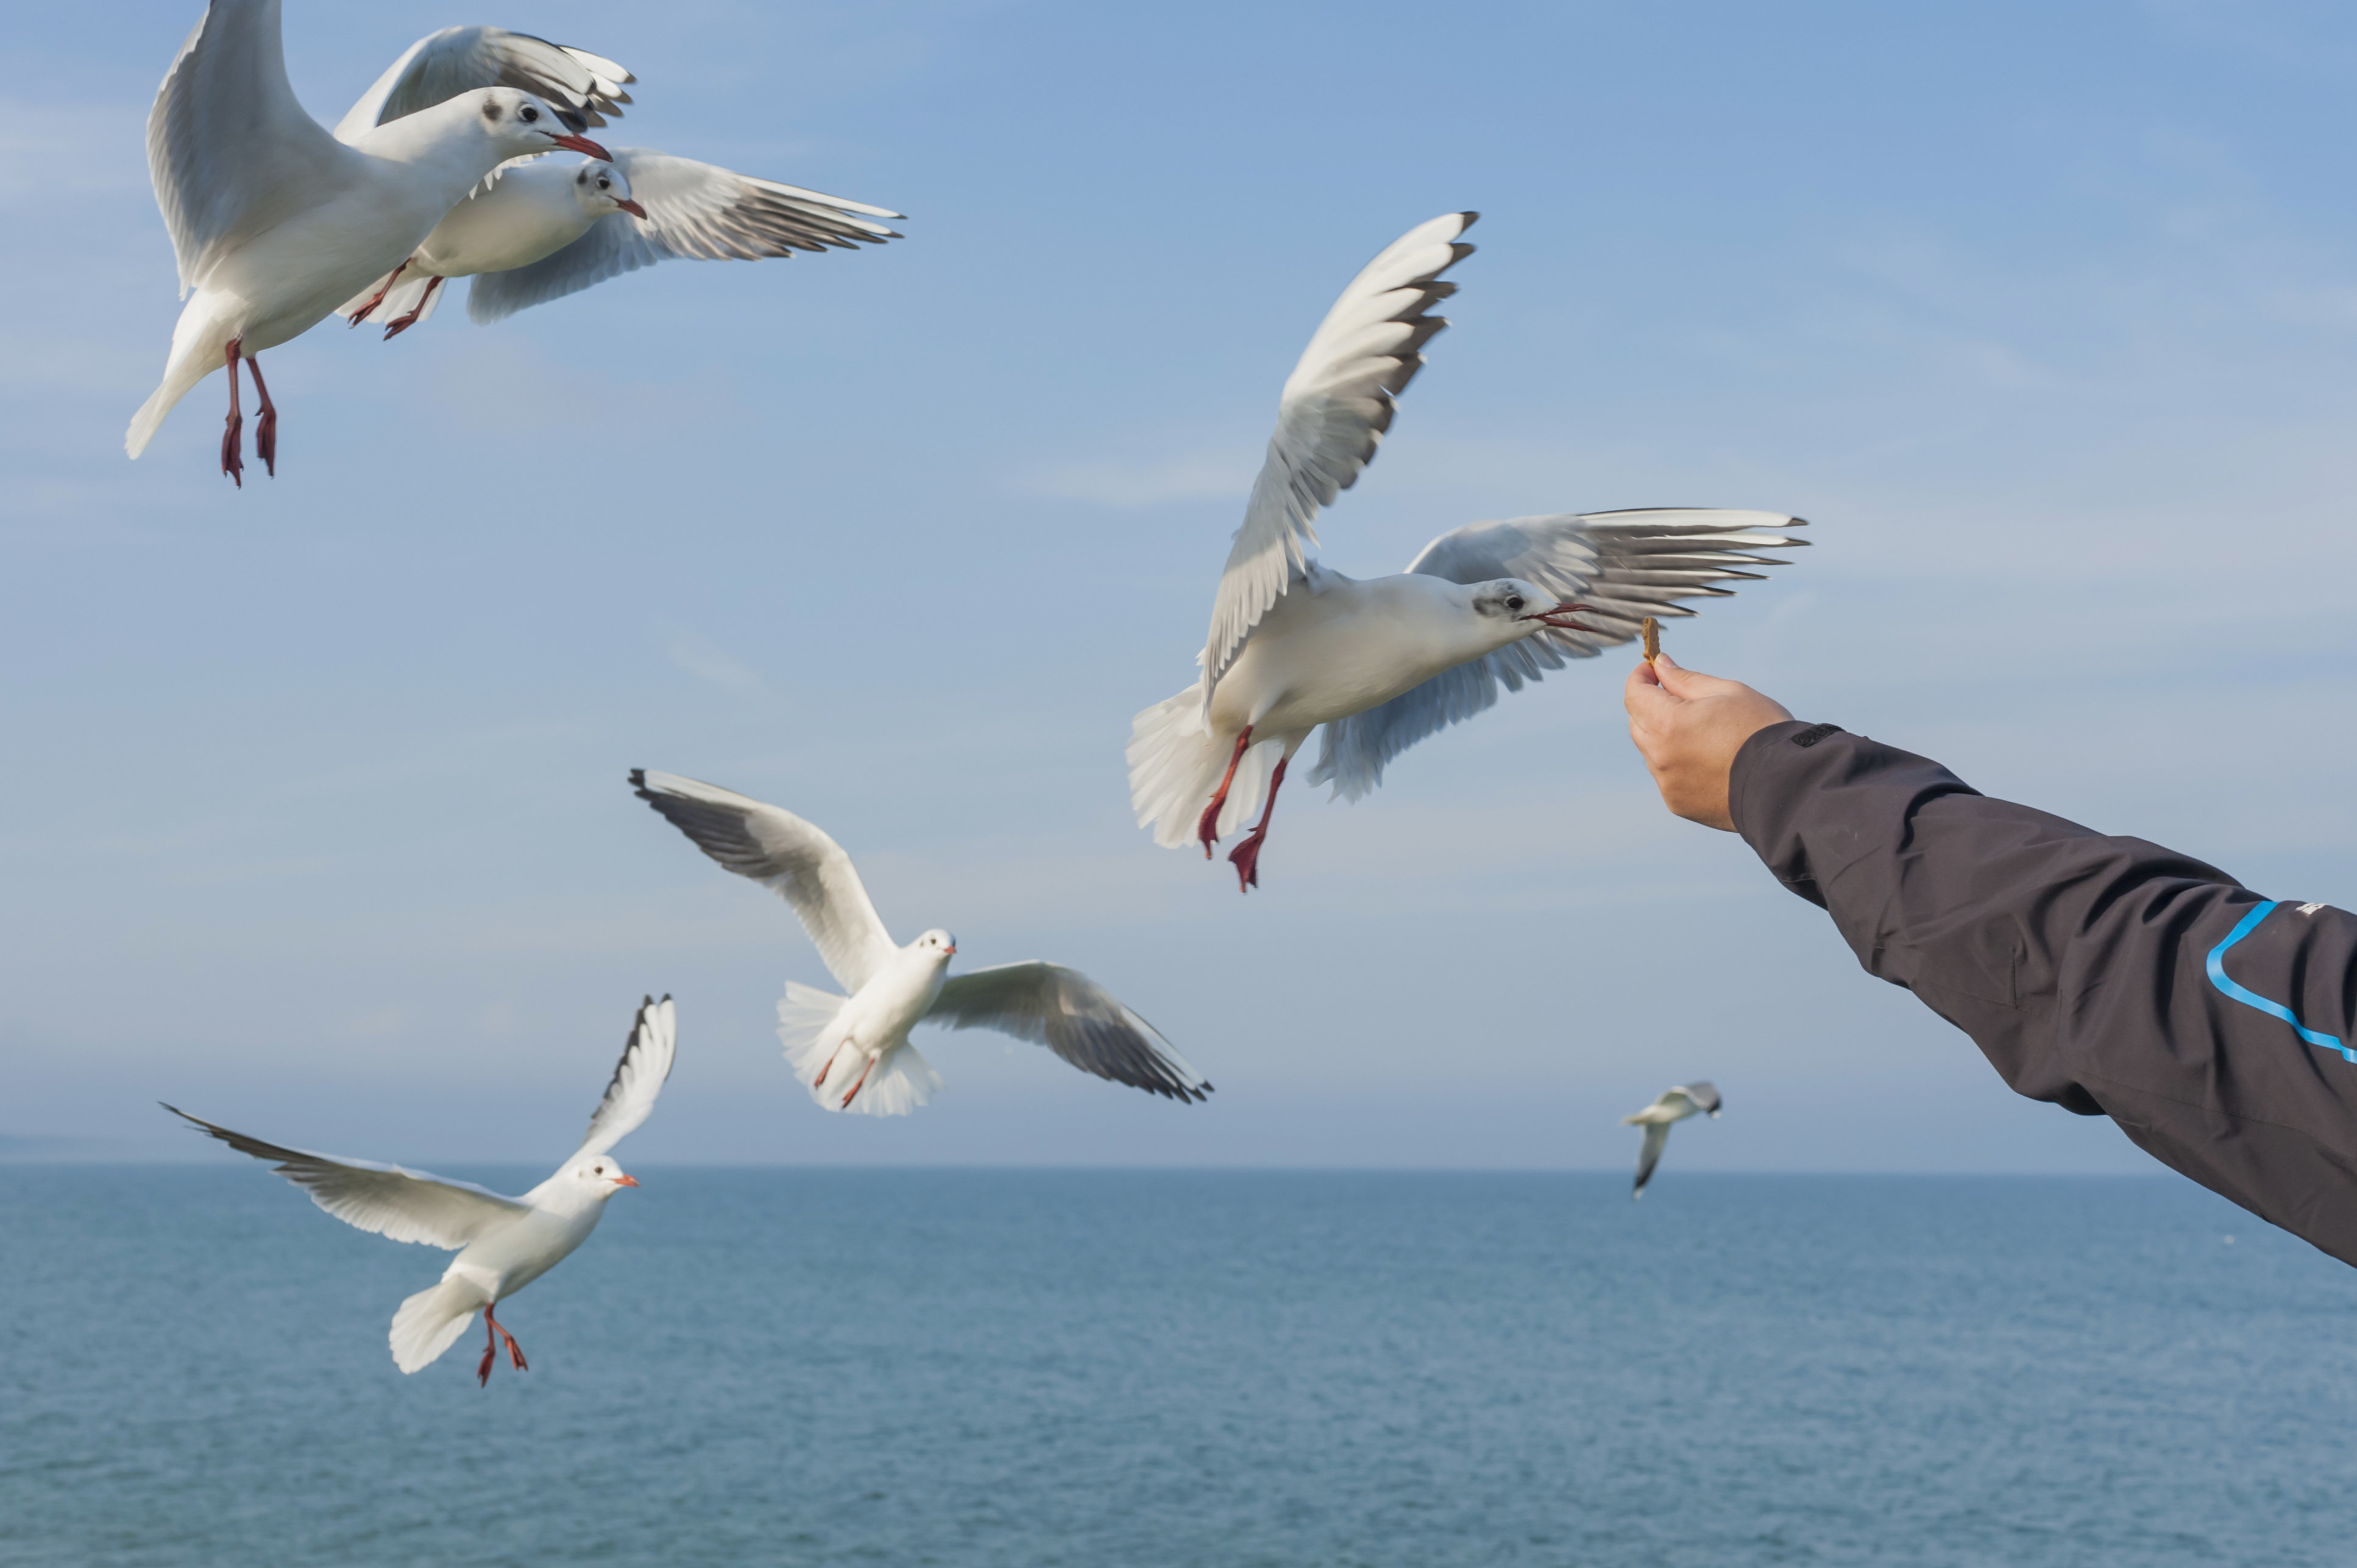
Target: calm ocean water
(1135, 1368)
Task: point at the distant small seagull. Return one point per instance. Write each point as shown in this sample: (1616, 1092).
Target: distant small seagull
(275, 222)
(853, 1053)
(503, 1243)
(544, 228)
(1674, 1105)
(1384, 663)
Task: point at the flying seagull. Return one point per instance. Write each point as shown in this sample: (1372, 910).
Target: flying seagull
(853, 1052)
(1384, 661)
(544, 228)
(1674, 1105)
(276, 222)
(503, 1243)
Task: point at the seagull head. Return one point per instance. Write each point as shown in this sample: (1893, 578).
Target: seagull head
(1511, 609)
(603, 188)
(936, 944)
(521, 125)
(599, 1178)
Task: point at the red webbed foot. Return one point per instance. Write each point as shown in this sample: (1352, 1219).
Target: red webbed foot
(265, 428)
(1207, 826)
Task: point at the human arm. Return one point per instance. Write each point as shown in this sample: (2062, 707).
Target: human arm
(2106, 974)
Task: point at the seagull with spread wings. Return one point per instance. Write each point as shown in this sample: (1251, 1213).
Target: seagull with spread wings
(275, 221)
(503, 1243)
(544, 228)
(1674, 1105)
(853, 1052)
(1384, 661)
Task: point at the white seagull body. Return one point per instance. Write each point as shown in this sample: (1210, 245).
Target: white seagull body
(544, 228)
(503, 1243)
(276, 222)
(1384, 662)
(853, 1052)
(1674, 1105)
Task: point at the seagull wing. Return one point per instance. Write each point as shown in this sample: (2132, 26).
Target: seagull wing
(581, 86)
(401, 1205)
(231, 153)
(1657, 1137)
(788, 856)
(1335, 408)
(1073, 1016)
(1625, 564)
(637, 1079)
(696, 212)
(1702, 1094)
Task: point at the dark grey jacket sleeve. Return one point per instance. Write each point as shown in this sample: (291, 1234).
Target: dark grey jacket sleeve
(2109, 975)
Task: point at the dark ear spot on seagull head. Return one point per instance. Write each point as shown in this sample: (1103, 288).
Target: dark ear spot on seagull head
(1508, 598)
(602, 188)
(522, 115)
(1526, 608)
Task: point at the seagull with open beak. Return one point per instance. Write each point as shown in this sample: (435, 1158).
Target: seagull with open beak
(1384, 661)
(275, 221)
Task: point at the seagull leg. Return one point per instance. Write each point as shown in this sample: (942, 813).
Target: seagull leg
(1207, 831)
(855, 1088)
(265, 429)
(378, 298)
(491, 1351)
(1246, 856)
(232, 437)
(515, 1351)
(401, 324)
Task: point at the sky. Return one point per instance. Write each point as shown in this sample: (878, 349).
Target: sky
(315, 819)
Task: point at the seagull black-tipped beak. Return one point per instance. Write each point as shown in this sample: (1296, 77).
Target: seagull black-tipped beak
(632, 207)
(573, 141)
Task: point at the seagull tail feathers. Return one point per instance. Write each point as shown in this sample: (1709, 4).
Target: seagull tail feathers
(430, 1323)
(1175, 764)
(900, 1081)
(198, 344)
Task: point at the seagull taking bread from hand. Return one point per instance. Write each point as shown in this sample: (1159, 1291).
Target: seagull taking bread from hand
(1384, 662)
(853, 1052)
(503, 1243)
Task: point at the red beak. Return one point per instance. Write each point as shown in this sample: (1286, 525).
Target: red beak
(582, 144)
(632, 207)
(625, 1181)
(952, 952)
(1550, 618)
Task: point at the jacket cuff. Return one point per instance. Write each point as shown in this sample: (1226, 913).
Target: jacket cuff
(1757, 763)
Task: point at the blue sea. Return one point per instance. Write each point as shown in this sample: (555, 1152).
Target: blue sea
(1131, 1369)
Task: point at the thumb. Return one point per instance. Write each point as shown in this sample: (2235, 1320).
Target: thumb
(1683, 683)
(1643, 694)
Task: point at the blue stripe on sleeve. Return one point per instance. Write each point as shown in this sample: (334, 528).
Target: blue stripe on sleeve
(2248, 998)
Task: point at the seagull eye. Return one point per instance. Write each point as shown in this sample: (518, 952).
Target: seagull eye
(1515, 604)
(600, 1171)
(530, 113)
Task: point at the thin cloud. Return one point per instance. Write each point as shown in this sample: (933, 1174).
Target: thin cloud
(1208, 475)
(706, 660)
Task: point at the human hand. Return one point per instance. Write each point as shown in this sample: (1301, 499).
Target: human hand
(1688, 727)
